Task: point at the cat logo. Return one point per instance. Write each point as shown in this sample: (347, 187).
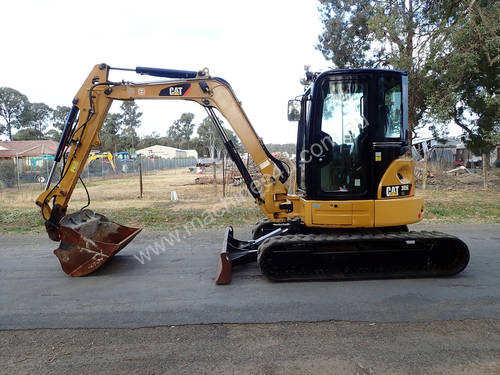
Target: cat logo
(392, 191)
(175, 91)
(178, 90)
(396, 191)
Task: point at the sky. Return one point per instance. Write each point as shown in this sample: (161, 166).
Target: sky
(259, 47)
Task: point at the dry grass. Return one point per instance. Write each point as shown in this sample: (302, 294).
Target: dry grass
(460, 206)
(123, 192)
(119, 199)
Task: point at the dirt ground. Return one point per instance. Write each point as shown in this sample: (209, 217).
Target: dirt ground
(125, 191)
(440, 178)
(362, 348)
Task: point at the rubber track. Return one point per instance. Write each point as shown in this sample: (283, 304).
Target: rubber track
(362, 255)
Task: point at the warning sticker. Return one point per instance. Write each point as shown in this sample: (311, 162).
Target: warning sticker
(264, 164)
(73, 166)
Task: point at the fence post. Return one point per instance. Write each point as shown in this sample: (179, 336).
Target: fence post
(47, 168)
(424, 173)
(140, 179)
(215, 178)
(17, 169)
(485, 172)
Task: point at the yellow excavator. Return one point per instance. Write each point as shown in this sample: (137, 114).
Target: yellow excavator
(347, 215)
(94, 155)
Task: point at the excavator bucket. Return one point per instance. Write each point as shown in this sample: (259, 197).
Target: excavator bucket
(88, 240)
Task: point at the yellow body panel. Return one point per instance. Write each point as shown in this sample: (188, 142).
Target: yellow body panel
(399, 172)
(362, 213)
(338, 214)
(401, 211)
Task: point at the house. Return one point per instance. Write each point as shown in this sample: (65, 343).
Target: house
(13, 149)
(167, 152)
(27, 153)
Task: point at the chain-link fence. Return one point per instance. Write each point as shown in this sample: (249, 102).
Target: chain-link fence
(226, 181)
(103, 167)
(28, 171)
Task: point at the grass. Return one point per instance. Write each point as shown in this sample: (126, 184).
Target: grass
(21, 220)
(118, 199)
(479, 206)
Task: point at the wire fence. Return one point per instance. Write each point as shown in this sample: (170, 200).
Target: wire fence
(222, 175)
(26, 171)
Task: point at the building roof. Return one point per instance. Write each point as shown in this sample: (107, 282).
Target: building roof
(156, 148)
(27, 148)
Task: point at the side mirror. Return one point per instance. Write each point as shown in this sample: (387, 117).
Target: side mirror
(293, 110)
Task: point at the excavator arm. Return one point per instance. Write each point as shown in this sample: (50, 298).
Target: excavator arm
(81, 133)
(107, 155)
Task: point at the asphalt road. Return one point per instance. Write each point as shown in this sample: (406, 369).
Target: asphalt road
(177, 287)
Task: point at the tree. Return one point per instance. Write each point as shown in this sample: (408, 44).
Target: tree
(406, 35)
(36, 117)
(59, 116)
(290, 148)
(151, 140)
(52, 134)
(467, 78)
(28, 134)
(210, 142)
(131, 121)
(110, 137)
(181, 130)
(207, 137)
(12, 105)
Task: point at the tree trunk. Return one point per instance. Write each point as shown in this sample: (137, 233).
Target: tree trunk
(485, 171)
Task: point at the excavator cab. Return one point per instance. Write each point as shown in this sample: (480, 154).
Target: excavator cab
(352, 125)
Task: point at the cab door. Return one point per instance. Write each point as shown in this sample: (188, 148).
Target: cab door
(339, 148)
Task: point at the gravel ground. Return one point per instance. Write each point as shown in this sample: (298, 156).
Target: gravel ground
(445, 347)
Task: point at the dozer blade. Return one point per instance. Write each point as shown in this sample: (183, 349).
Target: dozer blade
(234, 252)
(88, 240)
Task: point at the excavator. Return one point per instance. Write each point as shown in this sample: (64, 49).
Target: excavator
(346, 216)
(101, 155)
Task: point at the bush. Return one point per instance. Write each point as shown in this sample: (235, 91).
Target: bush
(7, 173)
